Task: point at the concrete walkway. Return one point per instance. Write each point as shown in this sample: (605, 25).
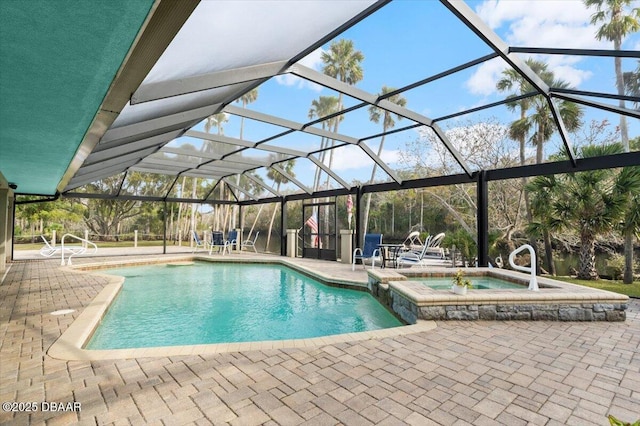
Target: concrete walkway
(480, 373)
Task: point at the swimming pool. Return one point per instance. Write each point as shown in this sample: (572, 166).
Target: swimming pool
(478, 283)
(204, 303)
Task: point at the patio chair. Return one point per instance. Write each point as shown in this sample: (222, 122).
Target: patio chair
(370, 251)
(232, 238)
(218, 242)
(198, 241)
(251, 243)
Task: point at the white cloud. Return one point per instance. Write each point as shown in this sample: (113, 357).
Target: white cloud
(352, 157)
(550, 23)
(483, 81)
(312, 60)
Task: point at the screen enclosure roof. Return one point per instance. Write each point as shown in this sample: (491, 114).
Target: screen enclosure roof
(217, 101)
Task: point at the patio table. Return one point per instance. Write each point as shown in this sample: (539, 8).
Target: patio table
(390, 252)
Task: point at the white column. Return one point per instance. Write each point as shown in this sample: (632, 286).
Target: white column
(135, 238)
(346, 245)
(292, 242)
(239, 245)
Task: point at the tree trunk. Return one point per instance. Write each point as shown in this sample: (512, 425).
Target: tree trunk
(624, 133)
(587, 268)
(367, 206)
(628, 256)
(548, 252)
(273, 216)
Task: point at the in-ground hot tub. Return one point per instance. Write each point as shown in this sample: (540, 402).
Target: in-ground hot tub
(406, 292)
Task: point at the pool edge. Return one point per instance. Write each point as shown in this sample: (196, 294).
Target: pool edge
(70, 345)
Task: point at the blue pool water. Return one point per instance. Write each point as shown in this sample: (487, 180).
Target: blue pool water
(479, 283)
(163, 305)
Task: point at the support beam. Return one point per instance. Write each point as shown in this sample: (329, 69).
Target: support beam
(283, 227)
(155, 126)
(166, 89)
(291, 178)
(359, 216)
(332, 83)
(482, 194)
(388, 170)
(576, 52)
(237, 188)
(615, 96)
(328, 171)
(294, 125)
(564, 134)
(611, 108)
(262, 184)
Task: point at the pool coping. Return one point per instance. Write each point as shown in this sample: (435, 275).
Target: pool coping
(412, 300)
(550, 290)
(70, 345)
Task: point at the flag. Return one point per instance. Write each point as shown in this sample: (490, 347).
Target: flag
(349, 208)
(312, 223)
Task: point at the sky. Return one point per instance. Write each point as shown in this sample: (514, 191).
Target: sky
(407, 41)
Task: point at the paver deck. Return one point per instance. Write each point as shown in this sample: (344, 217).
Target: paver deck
(500, 373)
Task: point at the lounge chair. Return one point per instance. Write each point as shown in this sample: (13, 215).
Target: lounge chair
(198, 241)
(218, 242)
(48, 250)
(413, 241)
(422, 258)
(251, 243)
(370, 251)
(433, 247)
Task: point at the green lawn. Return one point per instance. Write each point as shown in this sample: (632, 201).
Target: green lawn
(631, 290)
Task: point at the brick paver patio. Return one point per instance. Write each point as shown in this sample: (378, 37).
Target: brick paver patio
(480, 373)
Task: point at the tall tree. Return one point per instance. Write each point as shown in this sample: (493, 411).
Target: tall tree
(512, 80)
(632, 84)
(278, 179)
(535, 115)
(376, 114)
(590, 202)
(249, 97)
(214, 121)
(344, 63)
(618, 20)
(322, 107)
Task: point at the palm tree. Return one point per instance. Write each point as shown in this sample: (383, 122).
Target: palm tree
(540, 121)
(544, 188)
(249, 97)
(321, 107)
(632, 84)
(217, 121)
(278, 179)
(375, 114)
(615, 27)
(511, 79)
(590, 202)
(543, 122)
(344, 63)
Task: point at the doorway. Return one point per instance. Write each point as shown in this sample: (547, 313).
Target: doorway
(319, 235)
